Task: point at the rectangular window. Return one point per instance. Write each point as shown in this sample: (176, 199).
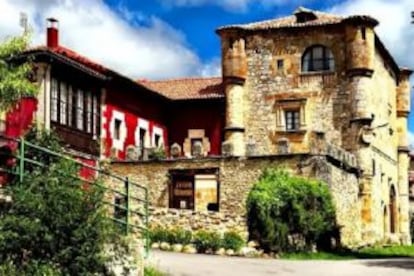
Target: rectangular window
(54, 100)
(292, 120)
(117, 129)
(63, 103)
(70, 106)
(280, 64)
(363, 33)
(157, 139)
(195, 190)
(88, 112)
(95, 115)
(142, 134)
(79, 109)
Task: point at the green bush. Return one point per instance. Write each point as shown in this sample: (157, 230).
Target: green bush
(172, 236)
(181, 236)
(152, 271)
(412, 227)
(207, 240)
(160, 234)
(289, 213)
(233, 240)
(55, 225)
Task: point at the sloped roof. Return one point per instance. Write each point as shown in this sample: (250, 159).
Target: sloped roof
(187, 88)
(61, 50)
(315, 18)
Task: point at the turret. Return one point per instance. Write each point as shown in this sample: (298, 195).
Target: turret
(234, 68)
(360, 53)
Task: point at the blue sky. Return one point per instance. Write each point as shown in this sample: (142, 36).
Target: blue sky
(158, 39)
(198, 19)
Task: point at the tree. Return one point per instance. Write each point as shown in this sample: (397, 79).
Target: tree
(14, 74)
(289, 213)
(56, 223)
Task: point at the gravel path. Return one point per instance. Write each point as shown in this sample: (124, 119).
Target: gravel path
(178, 264)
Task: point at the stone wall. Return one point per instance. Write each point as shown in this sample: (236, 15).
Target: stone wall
(236, 177)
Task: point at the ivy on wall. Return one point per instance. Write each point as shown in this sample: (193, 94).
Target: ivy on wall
(15, 81)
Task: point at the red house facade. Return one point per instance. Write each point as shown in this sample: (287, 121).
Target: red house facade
(99, 113)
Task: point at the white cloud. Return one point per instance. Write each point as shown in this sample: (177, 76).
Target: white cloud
(90, 27)
(230, 5)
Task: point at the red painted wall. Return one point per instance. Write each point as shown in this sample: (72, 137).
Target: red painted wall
(20, 118)
(134, 107)
(207, 115)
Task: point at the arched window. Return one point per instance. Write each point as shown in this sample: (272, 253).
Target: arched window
(317, 58)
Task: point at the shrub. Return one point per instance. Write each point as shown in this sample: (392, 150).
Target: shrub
(181, 236)
(160, 234)
(54, 226)
(412, 227)
(207, 240)
(172, 236)
(232, 240)
(289, 213)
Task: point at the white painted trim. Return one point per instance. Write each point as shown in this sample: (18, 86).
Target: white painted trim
(118, 143)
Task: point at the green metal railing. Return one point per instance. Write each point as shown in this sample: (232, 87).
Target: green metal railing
(135, 196)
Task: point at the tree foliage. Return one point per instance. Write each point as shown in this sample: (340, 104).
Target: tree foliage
(289, 213)
(14, 74)
(56, 223)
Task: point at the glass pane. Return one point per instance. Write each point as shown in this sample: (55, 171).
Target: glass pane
(53, 100)
(88, 112)
(317, 52)
(331, 64)
(70, 102)
(63, 101)
(318, 65)
(79, 110)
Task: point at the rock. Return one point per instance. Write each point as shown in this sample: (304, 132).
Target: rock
(189, 248)
(165, 246)
(221, 252)
(155, 245)
(230, 252)
(249, 252)
(252, 244)
(177, 247)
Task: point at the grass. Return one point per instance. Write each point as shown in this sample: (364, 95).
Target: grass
(152, 271)
(395, 251)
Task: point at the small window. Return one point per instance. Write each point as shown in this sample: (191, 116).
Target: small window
(54, 101)
(63, 103)
(280, 64)
(195, 190)
(117, 129)
(157, 139)
(317, 58)
(292, 120)
(142, 134)
(79, 110)
(363, 33)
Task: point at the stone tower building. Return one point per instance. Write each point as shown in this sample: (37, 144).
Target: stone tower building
(314, 82)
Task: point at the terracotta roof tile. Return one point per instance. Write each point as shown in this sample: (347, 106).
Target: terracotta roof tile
(68, 53)
(188, 88)
(320, 18)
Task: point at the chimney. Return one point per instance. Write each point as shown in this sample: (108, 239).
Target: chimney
(52, 33)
